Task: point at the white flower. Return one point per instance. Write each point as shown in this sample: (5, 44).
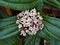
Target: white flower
(23, 33)
(19, 26)
(30, 14)
(37, 28)
(25, 17)
(23, 20)
(38, 13)
(19, 15)
(30, 28)
(29, 19)
(40, 18)
(41, 26)
(26, 12)
(17, 22)
(35, 32)
(33, 10)
(27, 31)
(30, 33)
(35, 21)
(29, 22)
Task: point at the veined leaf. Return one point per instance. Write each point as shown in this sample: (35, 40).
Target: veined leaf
(39, 5)
(37, 40)
(55, 4)
(52, 20)
(28, 40)
(54, 32)
(14, 40)
(9, 35)
(32, 40)
(20, 1)
(7, 21)
(8, 31)
(43, 34)
(54, 42)
(8, 27)
(13, 18)
(18, 6)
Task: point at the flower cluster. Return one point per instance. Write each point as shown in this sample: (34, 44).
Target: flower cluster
(29, 22)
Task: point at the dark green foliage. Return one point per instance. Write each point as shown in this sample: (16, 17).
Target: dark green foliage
(14, 40)
(19, 6)
(9, 31)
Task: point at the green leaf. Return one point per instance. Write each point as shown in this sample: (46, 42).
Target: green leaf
(54, 32)
(37, 40)
(58, 1)
(8, 27)
(32, 40)
(29, 40)
(44, 34)
(14, 40)
(20, 1)
(3, 14)
(54, 3)
(9, 35)
(18, 6)
(8, 31)
(13, 18)
(54, 42)
(7, 21)
(52, 20)
(57, 42)
(39, 5)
